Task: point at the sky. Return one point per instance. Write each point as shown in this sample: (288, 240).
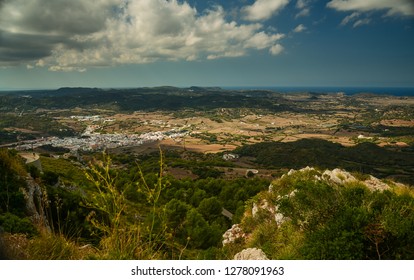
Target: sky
(243, 43)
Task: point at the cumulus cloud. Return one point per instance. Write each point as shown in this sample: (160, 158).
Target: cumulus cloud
(276, 49)
(78, 34)
(263, 9)
(392, 7)
(299, 28)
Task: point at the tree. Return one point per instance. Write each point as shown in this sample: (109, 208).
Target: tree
(176, 212)
(198, 196)
(210, 208)
(11, 172)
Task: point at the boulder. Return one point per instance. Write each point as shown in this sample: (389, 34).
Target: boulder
(251, 254)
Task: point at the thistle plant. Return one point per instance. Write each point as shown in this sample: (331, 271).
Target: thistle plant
(123, 237)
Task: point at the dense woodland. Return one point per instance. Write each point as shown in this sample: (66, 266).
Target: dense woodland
(383, 162)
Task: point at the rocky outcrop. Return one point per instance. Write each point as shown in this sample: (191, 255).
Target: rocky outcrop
(231, 235)
(251, 254)
(374, 184)
(35, 201)
(337, 177)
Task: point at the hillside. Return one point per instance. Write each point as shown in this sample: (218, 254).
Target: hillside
(366, 157)
(113, 209)
(331, 214)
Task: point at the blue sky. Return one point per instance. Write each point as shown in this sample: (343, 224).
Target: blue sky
(255, 43)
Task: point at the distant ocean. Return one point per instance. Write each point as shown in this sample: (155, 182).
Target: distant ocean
(396, 91)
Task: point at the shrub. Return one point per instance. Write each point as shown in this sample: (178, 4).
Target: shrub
(13, 224)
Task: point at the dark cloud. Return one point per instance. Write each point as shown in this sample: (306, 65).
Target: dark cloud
(26, 47)
(42, 25)
(64, 17)
(74, 35)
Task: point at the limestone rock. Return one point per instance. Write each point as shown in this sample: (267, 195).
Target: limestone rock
(234, 233)
(34, 197)
(374, 184)
(251, 254)
(339, 176)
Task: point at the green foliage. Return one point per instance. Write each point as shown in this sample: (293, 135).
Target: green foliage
(333, 222)
(119, 240)
(56, 247)
(201, 234)
(210, 208)
(124, 232)
(13, 224)
(12, 172)
(206, 172)
(66, 216)
(63, 168)
(364, 157)
(176, 212)
(341, 237)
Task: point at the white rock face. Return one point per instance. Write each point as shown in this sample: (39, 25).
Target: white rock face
(280, 218)
(262, 205)
(307, 168)
(339, 176)
(230, 236)
(374, 184)
(271, 188)
(251, 254)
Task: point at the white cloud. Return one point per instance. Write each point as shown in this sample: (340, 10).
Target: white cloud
(299, 28)
(303, 6)
(393, 7)
(361, 22)
(300, 4)
(350, 18)
(263, 9)
(82, 34)
(276, 49)
(355, 17)
(303, 13)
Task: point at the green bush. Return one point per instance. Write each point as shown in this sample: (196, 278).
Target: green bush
(14, 224)
(334, 222)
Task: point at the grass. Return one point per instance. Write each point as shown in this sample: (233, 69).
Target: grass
(50, 246)
(45, 246)
(122, 236)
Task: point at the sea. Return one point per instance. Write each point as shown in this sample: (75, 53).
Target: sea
(396, 91)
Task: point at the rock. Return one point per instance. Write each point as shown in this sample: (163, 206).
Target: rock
(271, 187)
(291, 172)
(280, 218)
(374, 184)
(338, 176)
(263, 205)
(251, 254)
(306, 169)
(34, 197)
(234, 233)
